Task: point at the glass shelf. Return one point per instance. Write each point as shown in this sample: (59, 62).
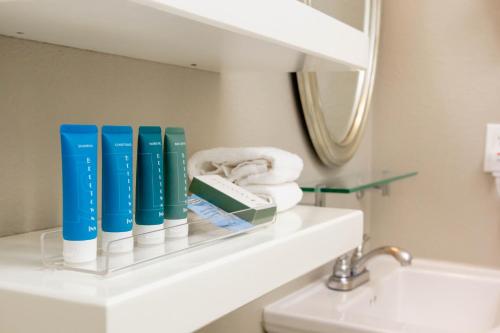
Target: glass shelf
(357, 182)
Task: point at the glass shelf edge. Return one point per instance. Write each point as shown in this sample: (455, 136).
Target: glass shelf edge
(368, 185)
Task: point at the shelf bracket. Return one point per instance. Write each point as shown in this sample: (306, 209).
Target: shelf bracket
(360, 194)
(319, 196)
(384, 189)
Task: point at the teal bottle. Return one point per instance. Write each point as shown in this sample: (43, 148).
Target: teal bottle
(176, 182)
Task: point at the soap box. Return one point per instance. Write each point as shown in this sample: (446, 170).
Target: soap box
(233, 198)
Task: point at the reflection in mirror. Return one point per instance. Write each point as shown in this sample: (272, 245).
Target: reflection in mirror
(338, 93)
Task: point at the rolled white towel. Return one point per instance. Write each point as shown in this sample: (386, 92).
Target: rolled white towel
(245, 166)
(284, 196)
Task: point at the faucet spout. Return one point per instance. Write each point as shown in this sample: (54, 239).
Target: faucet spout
(402, 256)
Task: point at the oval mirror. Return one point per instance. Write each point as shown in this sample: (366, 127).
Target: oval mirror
(335, 104)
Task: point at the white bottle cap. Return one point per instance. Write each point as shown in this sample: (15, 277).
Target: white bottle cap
(176, 228)
(149, 237)
(176, 244)
(77, 252)
(148, 252)
(120, 246)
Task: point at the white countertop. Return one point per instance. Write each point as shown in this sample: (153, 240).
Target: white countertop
(178, 294)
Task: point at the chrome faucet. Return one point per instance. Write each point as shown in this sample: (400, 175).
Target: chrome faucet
(349, 270)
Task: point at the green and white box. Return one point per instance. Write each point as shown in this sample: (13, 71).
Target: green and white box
(233, 198)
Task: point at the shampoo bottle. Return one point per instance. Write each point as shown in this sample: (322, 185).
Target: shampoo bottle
(79, 180)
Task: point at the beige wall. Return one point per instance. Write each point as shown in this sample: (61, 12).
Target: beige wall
(438, 85)
(42, 86)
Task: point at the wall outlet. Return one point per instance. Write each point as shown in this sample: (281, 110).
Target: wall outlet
(492, 150)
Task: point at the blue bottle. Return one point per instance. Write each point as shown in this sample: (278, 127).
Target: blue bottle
(79, 179)
(117, 189)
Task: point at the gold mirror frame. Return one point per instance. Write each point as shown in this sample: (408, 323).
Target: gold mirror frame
(337, 152)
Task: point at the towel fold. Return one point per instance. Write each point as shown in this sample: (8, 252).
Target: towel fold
(247, 166)
(284, 196)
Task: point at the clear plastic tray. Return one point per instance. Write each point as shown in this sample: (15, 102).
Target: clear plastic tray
(202, 232)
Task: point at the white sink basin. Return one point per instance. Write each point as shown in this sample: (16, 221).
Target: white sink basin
(427, 297)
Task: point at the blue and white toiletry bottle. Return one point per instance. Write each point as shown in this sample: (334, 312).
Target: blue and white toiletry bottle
(79, 171)
(117, 189)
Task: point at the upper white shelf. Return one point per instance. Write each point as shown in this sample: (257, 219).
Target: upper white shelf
(215, 35)
(177, 294)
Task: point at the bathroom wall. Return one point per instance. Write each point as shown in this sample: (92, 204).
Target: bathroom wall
(42, 86)
(438, 85)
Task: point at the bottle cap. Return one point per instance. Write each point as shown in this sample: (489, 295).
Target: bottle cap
(176, 244)
(77, 252)
(124, 245)
(148, 234)
(176, 228)
(149, 251)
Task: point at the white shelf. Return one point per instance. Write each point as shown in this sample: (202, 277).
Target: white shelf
(180, 294)
(216, 35)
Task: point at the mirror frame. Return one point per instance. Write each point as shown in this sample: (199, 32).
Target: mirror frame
(337, 152)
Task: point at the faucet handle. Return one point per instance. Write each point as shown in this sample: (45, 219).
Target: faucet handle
(358, 252)
(342, 267)
(365, 240)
